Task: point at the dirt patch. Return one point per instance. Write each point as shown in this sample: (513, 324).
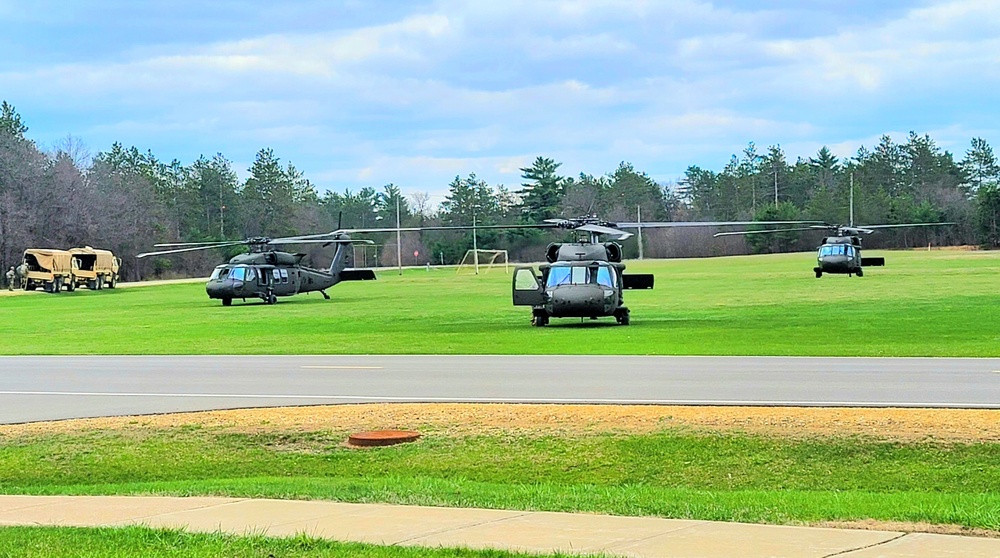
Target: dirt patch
(943, 425)
(872, 525)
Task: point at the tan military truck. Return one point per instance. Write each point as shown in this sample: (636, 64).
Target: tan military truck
(95, 268)
(49, 269)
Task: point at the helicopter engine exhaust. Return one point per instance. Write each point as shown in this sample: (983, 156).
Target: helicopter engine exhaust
(614, 251)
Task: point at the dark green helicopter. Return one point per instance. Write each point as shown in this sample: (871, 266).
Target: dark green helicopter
(586, 279)
(266, 273)
(841, 253)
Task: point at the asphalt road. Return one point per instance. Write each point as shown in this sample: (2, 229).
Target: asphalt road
(46, 388)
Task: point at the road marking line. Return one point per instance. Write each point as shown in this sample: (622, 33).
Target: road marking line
(324, 367)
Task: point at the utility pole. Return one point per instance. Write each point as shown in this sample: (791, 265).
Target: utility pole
(399, 242)
(775, 186)
(852, 199)
(638, 219)
(475, 248)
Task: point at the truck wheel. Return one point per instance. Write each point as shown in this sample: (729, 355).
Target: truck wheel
(100, 282)
(92, 284)
(71, 286)
(112, 282)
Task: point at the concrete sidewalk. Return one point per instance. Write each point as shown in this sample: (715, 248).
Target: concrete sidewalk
(538, 532)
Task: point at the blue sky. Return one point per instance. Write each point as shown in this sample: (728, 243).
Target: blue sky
(414, 93)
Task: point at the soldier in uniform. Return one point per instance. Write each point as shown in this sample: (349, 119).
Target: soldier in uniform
(22, 275)
(10, 279)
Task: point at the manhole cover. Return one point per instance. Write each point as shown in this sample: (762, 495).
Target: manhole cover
(382, 437)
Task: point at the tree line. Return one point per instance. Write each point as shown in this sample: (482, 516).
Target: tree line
(126, 200)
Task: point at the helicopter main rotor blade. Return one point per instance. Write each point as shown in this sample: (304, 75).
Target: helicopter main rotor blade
(600, 229)
(206, 244)
(763, 231)
(325, 242)
(192, 249)
(418, 229)
(865, 227)
(668, 224)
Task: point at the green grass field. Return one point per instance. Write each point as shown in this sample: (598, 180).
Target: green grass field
(923, 303)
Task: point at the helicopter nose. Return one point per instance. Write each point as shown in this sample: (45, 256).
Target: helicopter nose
(219, 289)
(835, 263)
(577, 300)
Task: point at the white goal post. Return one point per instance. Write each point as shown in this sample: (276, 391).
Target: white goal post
(486, 258)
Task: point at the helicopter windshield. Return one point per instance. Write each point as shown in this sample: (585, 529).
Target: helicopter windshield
(580, 275)
(833, 250)
(605, 277)
(242, 273)
(220, 272)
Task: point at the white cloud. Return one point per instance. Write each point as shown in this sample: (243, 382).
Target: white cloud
(485, 87)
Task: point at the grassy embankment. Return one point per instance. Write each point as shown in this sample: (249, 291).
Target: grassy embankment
(939, 303)
(674, 472)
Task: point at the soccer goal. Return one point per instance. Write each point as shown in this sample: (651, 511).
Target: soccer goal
(487, 259)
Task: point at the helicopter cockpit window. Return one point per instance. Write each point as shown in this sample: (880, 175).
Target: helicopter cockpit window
(219, 273)
(240, 273)
(605, 277)
(834, 250)
(558, 276)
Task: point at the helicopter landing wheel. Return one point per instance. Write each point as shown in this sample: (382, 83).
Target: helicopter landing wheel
(271, 299)
(227, 302)
(622, 317)
(861, 273)
(819, 274)
(539, 319)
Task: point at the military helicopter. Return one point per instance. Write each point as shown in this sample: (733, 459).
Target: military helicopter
(586, 279)
(267, 273)
(841, 253)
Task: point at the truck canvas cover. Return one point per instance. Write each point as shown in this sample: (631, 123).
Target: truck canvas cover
(93, 259)
(54, 261)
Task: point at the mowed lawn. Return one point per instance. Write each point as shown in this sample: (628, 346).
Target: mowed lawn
(923, 303)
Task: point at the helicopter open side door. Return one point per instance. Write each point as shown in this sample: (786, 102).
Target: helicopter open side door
(870, 262)
(637, 281)
(526, 288)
